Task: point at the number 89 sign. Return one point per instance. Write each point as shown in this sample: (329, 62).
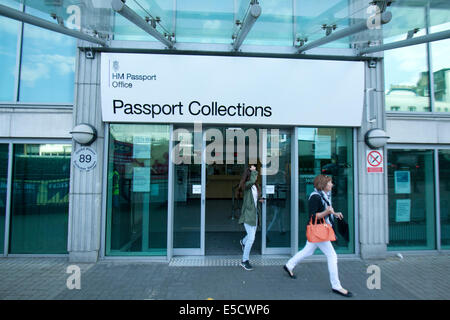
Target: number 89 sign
(85, 158)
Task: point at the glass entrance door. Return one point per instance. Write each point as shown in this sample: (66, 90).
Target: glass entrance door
(228, 152)
(277, 182)
(208, 164)
(188, 220)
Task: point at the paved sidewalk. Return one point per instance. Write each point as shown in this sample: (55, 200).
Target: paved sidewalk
(413, 277)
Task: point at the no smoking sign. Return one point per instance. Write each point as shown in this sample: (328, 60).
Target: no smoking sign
(374, 161)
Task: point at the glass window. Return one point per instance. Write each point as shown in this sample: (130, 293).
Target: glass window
(406, 79)
(3, 187)
(9, 30)
(327, 151)
(137, 190)
(406, 69)
(274, 26)
(441, 70)
(205, 21)
(162, 9)
(444, 189)
(312, 15)
(47, 73)
(411, 199)
(40, 198)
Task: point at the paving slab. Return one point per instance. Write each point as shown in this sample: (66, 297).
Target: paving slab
(414, 277)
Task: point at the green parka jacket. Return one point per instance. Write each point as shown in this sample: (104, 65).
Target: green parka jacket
(249, 210)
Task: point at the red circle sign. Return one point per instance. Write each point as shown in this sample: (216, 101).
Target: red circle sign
(374, 159)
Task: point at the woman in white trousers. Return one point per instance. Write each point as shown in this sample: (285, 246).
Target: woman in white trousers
(320, 207)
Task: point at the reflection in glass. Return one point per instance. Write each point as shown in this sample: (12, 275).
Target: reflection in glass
(187, 191)
(441, 70)
(9, 30)
(406, 79)
(40, 199)
(278, 204)
(406, 69)
(444, 189)
(47, 72)
(137, 190)
(411, 199)
(3, 187)
(327, 151)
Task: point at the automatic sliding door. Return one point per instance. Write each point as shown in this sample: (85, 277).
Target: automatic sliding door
(187, 186)
(278, 192)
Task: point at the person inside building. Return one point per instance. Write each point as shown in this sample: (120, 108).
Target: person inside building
(249, 212)
(320, 207)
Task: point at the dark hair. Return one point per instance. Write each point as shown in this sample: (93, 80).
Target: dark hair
(245, 177)
(321, 181)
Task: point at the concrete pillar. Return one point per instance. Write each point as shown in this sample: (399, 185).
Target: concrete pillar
(85, 202)
(373, 193)
(372, 187)
(86, 187)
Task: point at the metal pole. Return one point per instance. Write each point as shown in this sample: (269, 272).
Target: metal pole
(133, 17)
(27, 18)
(249, 21)
(409, 42)
(385, 18)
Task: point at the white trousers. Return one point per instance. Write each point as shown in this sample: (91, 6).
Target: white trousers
(327, 248)
(248, 240)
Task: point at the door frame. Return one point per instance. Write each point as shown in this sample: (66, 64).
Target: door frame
(292, 131)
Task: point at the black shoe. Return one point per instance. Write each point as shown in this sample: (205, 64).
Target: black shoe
(242, 245)
(289, 272)
(246, 265)
(348, 294)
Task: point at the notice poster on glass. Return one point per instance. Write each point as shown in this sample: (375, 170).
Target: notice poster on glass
(141, 147)
(323, 147)
(403, 210)
(270, 189)
(402, 182)
(141, 179)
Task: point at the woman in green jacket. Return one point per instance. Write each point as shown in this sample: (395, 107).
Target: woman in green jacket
(249, 212)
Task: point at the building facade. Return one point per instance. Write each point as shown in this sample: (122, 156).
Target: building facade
(160, 179)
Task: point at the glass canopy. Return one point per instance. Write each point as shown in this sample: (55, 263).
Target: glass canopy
(282, 23)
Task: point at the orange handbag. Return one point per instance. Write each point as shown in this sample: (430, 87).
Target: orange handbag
(319, 232)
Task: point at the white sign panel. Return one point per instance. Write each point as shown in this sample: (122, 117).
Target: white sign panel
(402, 182)
(85, 158)
(374, 161)
(270, 189)
(196, 189)
(323, 147)
(141, 179)
(403, 210)
(240, 90)
(141, 147)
